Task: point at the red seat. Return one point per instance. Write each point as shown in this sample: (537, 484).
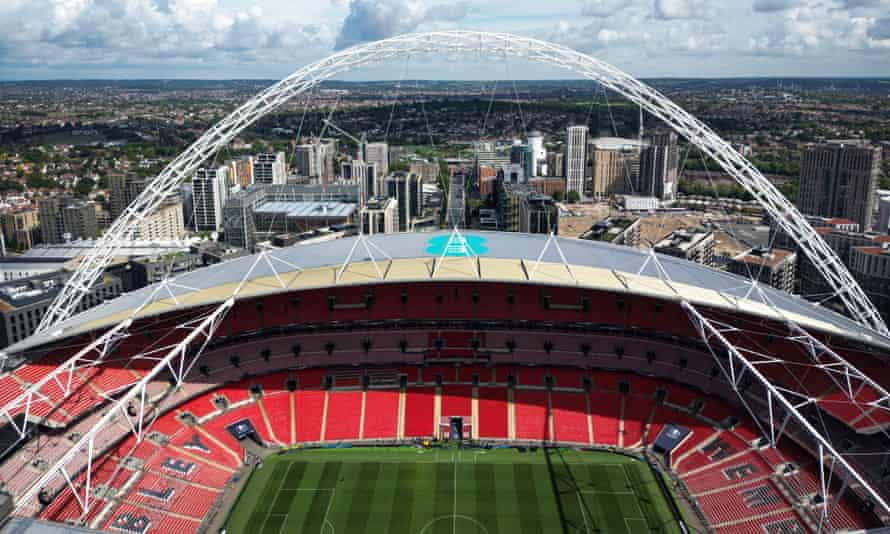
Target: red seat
(344, 415)
(531, 415)
(570, 417)
(278, 410)
(493, 412)
(457, 401)
(308, 408)
(604, 411)
(419, 405)
(381, 414)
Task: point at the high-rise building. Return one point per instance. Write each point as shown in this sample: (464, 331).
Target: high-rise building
(305, 162)
(521, 209)
(378, 153)
(535, 143)
(839, 179)
(576, 158)
(210, 189)
(556, 164)
(365, 175)
(165, 224)
(20, 228)
(269, 168)
(380, 216)
(427, 171)
(455, 216)
(64, 218)
(124, 190)
(408, 191)
(613, 166)
(774, 267)
(659, 167)
(241, 172)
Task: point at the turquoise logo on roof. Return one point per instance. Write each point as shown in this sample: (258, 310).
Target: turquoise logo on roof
(459, 245)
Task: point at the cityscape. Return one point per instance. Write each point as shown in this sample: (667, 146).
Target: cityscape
(401, 266)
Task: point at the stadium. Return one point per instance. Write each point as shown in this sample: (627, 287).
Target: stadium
(455, 381)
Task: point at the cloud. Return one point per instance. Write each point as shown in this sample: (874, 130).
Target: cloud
(681, 9)
(113, 32)
(372, 20)
(820, 30)
(880, 30)
(768, 6)
(603, 8)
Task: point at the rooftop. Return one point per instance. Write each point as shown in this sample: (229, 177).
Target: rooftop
(501, 257)
(306, 210)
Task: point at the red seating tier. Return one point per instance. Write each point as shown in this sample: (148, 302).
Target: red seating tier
(531, 415)
(419, 405)
(605, 410)
(570, 417)
(457, 401)
(381, 413)
(493, 412)
(344, 415)
(308, 408)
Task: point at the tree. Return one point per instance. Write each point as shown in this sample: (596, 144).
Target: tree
(557, 196)
(84, 186)
(884, 178)
(573, 196)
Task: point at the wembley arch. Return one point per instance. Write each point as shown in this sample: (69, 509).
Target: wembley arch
(479, 44)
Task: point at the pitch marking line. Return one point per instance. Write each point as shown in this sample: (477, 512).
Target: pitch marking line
(630, 530)
(636, 501)
(269, 513)
(583, 513)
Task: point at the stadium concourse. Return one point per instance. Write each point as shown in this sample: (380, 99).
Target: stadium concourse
(505, 338)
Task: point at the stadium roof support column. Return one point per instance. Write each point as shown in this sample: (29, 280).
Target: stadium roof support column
(777, 400)
(63, 378)
(133, 408)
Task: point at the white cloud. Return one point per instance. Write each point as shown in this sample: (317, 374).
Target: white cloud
(371, 20)
(768, 6)
(603, 8)
(681, 9)
(52, 32)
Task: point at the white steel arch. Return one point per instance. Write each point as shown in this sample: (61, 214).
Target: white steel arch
(470, 43)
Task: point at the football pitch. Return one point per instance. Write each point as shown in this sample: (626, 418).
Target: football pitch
(450, 490)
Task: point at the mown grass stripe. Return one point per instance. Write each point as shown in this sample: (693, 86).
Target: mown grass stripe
(485, 497)
(315, 515)
(400, 512)
(258, 517)
(528, 498)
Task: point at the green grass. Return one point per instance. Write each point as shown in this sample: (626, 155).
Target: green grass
(438, 491)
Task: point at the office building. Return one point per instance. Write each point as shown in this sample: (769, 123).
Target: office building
(576, 158)
(522, 158)
(695, 245)
(269, 168)
(380, 216)
(839, 179)
(427, 172)
(210, 189)
(774, 267)
(364, 175)
(659, 167)
(883, 223)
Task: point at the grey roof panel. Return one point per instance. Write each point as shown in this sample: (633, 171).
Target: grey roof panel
(487, 244)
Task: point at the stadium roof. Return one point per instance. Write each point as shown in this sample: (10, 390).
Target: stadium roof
(306, 210)
(508, 257)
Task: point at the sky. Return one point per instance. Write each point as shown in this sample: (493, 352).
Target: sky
(225, 39)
